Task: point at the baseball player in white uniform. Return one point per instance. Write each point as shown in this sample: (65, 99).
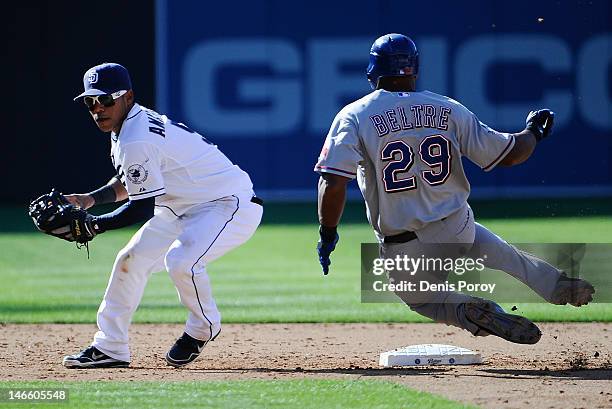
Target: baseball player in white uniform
(197, 206)
(405, 147)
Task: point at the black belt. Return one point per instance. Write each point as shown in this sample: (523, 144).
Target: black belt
(404, 237)
(257, 200)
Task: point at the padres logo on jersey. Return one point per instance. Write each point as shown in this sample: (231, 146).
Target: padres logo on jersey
(137, 174)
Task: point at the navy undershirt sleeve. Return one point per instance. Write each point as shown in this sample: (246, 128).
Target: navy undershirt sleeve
(132, 212)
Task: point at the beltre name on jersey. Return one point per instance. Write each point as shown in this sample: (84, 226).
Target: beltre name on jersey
(423, 116)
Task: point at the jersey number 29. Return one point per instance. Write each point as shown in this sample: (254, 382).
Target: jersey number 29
(434, 150)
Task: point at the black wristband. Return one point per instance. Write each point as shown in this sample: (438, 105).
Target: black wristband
(327, 233)
(132, 212)
(106, 194)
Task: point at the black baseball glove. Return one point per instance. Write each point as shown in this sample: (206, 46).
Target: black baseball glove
(53, 214)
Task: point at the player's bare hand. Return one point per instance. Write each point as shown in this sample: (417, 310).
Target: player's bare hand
(83, 201)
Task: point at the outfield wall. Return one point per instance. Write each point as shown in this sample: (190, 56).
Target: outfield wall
(266, 86)
(264, 79)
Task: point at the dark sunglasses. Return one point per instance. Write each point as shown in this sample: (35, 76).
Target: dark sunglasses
(106, 100)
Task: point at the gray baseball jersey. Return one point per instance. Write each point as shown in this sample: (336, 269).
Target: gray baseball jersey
(405, 149)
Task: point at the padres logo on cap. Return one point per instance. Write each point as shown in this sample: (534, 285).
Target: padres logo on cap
(92, 77)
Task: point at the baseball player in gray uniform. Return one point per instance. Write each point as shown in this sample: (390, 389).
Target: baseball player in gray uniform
(405, 147)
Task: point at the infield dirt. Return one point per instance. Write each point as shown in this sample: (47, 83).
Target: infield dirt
(571, 366)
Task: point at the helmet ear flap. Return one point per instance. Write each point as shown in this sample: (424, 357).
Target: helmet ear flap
(373, 73)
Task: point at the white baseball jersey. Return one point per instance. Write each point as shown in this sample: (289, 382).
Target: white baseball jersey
(190, 178)
(155, 156)
(405, 149)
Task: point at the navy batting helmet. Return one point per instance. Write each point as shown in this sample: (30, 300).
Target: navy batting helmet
(392, 55)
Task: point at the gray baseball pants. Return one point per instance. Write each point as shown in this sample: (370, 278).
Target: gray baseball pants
(456, 236)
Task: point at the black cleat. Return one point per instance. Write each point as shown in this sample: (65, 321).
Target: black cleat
(92, 357)
(184, 350)
(491, 318)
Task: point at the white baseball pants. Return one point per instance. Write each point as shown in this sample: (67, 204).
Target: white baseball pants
(183, 246)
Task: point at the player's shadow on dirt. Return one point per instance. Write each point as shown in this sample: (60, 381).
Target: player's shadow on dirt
(603, 373)
(578, 374)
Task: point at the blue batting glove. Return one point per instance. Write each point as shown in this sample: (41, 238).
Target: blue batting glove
(327, 244)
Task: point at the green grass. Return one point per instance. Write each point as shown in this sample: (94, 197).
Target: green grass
(275, 277)
(236, 394)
